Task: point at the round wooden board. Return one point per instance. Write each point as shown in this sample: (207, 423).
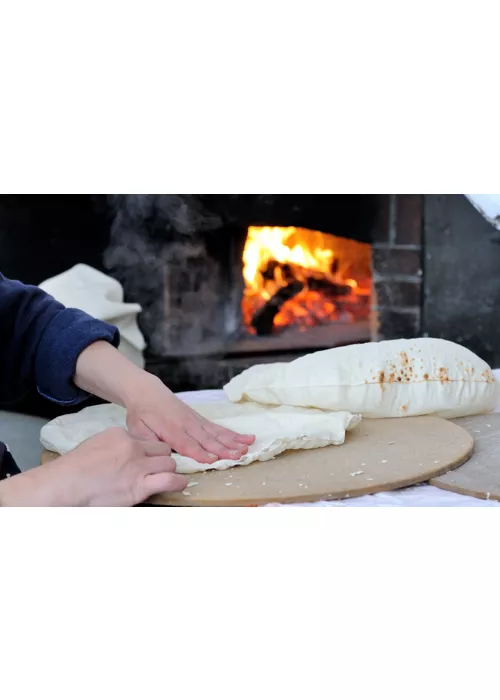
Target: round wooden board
(378, 455)
(480, 476)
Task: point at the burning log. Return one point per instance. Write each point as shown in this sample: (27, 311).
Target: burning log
(288, 274)
(263, 319)
(275, 270)
(331, 288)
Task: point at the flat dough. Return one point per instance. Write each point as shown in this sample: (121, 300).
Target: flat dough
(276, 429)
(390, 379)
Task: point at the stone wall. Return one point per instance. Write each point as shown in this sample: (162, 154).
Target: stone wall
(461, 300)
(397, 267)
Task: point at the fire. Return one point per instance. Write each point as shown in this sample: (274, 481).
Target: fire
(298, 277)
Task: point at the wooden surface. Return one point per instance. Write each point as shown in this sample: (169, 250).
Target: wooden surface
(390, 453)
(480, 476)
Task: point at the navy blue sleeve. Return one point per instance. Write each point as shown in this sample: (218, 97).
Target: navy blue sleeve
(40, 341)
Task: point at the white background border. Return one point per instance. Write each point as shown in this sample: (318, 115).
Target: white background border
(237, 97)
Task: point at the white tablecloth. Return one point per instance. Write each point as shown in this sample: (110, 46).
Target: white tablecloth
(423, 495)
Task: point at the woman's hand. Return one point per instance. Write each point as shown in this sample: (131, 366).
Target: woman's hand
(110, 469)
(156, 413)
(153, 411)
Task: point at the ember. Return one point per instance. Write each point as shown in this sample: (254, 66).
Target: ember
(302, 278)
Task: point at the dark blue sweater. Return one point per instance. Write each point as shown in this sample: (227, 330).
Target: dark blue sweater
(40, 341)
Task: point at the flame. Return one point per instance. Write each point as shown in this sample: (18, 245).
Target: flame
(283, 245)
(274, 257)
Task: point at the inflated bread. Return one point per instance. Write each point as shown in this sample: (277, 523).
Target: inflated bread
(379, 380)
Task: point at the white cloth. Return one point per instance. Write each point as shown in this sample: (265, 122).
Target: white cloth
(84, 288)
(276, 430)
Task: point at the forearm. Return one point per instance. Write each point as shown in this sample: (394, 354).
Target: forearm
(41, 341)
(35, 487)
(103, 371)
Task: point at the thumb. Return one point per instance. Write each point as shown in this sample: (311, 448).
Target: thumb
(164, 482)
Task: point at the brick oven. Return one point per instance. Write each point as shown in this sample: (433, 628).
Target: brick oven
(227, 281)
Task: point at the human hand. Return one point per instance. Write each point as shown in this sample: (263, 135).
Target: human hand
(155, 413)
(109, 469)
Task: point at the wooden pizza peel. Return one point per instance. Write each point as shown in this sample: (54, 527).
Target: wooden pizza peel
(480, 476)
(378, 455)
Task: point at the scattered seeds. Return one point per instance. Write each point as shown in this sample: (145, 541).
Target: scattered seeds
(357, 473)
(384, 461)
(193, 483)
(230, 483)
(186, 493)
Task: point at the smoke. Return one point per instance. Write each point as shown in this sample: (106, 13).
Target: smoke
(157, 251)
(181, 214)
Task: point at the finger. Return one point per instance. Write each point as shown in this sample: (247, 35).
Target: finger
(185, 445)
(223, 438)
(155, 465)
(212, 445)
(156, 449)
(228, 437)
(171, 435)
(160, 483)
(140, 430)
